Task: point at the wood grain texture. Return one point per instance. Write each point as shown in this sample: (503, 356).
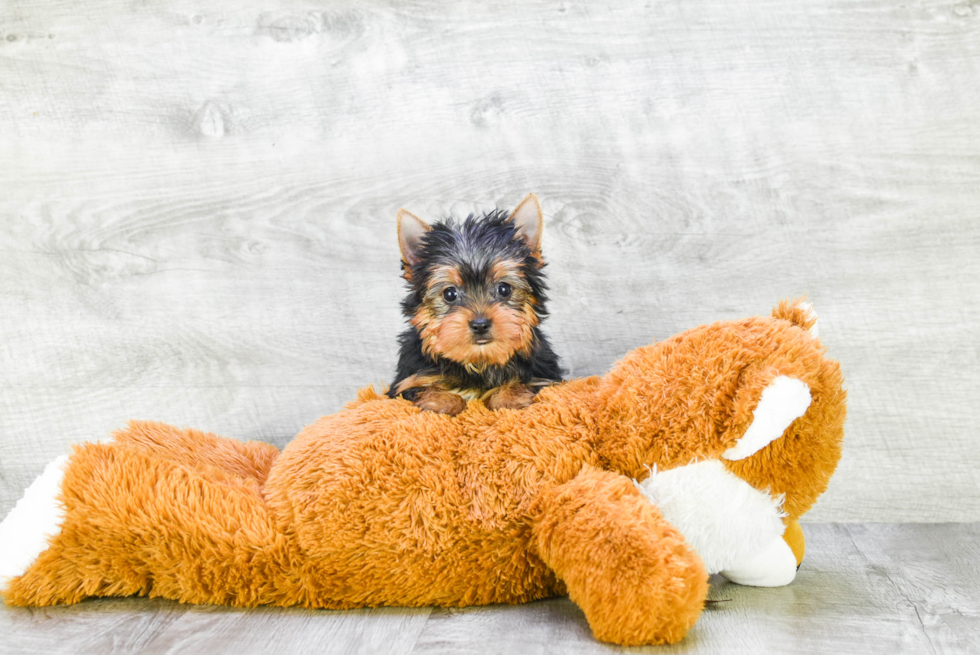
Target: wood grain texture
(197, 207)
(885, 589)
(130, 625)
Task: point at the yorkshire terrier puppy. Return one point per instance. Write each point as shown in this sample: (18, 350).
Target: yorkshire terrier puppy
(476, 300)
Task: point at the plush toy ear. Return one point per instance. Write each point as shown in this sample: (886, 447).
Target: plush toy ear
(528, 221)
(411, 229)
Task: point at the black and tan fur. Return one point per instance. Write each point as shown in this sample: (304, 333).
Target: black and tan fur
(475, 304)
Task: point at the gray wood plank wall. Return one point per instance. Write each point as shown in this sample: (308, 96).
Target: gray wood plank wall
(197, 204)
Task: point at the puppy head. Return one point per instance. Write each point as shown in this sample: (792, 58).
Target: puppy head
(476, 286)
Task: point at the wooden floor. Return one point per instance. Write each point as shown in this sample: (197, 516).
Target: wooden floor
(863, 588)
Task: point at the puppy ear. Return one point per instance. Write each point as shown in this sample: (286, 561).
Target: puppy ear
(528, 221)
(411, 229)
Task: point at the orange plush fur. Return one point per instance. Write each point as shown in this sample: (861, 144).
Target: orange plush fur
(384, 504)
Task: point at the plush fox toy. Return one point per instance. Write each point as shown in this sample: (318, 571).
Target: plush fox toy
(692, 456)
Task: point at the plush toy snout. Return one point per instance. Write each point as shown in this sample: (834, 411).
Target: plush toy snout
(796, 541)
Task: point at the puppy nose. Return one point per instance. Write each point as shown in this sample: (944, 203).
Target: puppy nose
(480, 325)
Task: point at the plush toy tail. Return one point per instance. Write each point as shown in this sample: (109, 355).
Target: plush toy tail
(146, 516)
(799, 312)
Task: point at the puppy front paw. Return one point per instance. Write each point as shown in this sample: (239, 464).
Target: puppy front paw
(516, 396)
(441, 402)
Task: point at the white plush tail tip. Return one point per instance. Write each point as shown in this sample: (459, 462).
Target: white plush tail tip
(34, 520)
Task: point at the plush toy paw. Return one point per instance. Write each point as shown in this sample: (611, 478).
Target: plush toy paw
(634, 575)
(27, 529)
(783, 401)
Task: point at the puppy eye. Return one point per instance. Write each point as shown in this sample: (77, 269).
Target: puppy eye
(503, 290)
(450, 294)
